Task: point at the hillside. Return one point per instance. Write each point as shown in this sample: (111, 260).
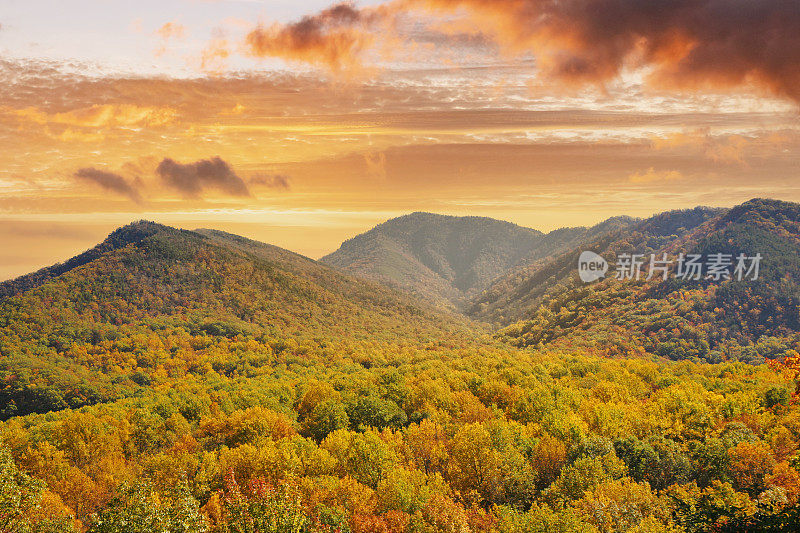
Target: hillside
(448, 259)
(703, 319)
(153, 298)
(120, 238)
(438, 257)
(517, 293)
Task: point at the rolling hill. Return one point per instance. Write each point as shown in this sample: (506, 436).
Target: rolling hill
(517, 293)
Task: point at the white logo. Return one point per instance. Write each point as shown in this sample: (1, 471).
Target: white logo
(591, 267)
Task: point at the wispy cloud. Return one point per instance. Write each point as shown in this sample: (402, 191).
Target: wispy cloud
(110, 182)
(271, 181)
(651, 175)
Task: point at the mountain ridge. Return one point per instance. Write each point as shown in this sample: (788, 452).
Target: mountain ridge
(75, 337)
(120, 237)
(519, 291)
(444, 258)
(700, 319)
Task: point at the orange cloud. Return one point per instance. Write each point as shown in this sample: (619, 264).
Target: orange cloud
(335, 38)
(651, 175)
(730, 149)
(171, 30)
(69, 135)
(100, 116)
(215, 55)
(167, 32)
(686, 43)
(376, 164)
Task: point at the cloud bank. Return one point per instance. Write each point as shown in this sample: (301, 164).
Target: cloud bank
(683, 43)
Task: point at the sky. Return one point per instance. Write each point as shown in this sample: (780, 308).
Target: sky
(304, 123)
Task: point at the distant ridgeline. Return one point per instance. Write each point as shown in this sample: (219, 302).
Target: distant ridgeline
(526, 282)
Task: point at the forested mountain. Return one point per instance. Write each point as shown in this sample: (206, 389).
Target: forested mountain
(447, 259)
(79, 337)
(118, 239)
(707, 319)
(518, 293)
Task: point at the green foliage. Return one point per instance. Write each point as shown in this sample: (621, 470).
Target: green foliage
(21, 502)
(138, 509)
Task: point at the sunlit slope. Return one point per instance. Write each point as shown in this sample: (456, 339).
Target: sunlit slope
(520, 291)
(169, 299)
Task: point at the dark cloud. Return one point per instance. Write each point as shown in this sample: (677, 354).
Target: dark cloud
(689, 43)
(273, 181)
(191, 179)
(686, 43)
(110, 182)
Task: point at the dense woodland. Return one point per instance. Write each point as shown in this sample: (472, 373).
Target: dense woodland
(199, 382)
(448, 260)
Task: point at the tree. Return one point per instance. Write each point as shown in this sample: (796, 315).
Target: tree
(749, 464)
(21, 509)
(261, 508)
(620, 505)
(474, 464)
(659, 461)
(139, 509)
(325, 418)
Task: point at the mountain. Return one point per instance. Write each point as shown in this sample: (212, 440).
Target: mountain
(518, 293)
(95, 327)
(152, 300)
(441, 258)
(704, 319)
(120, 238)
(198, 381)
(447, 259)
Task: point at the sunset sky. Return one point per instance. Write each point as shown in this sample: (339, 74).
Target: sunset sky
(304, 123)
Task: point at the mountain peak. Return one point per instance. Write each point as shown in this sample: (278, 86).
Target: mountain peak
(443, 258)
(135, 232)
(762, 209)
(119, 238)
